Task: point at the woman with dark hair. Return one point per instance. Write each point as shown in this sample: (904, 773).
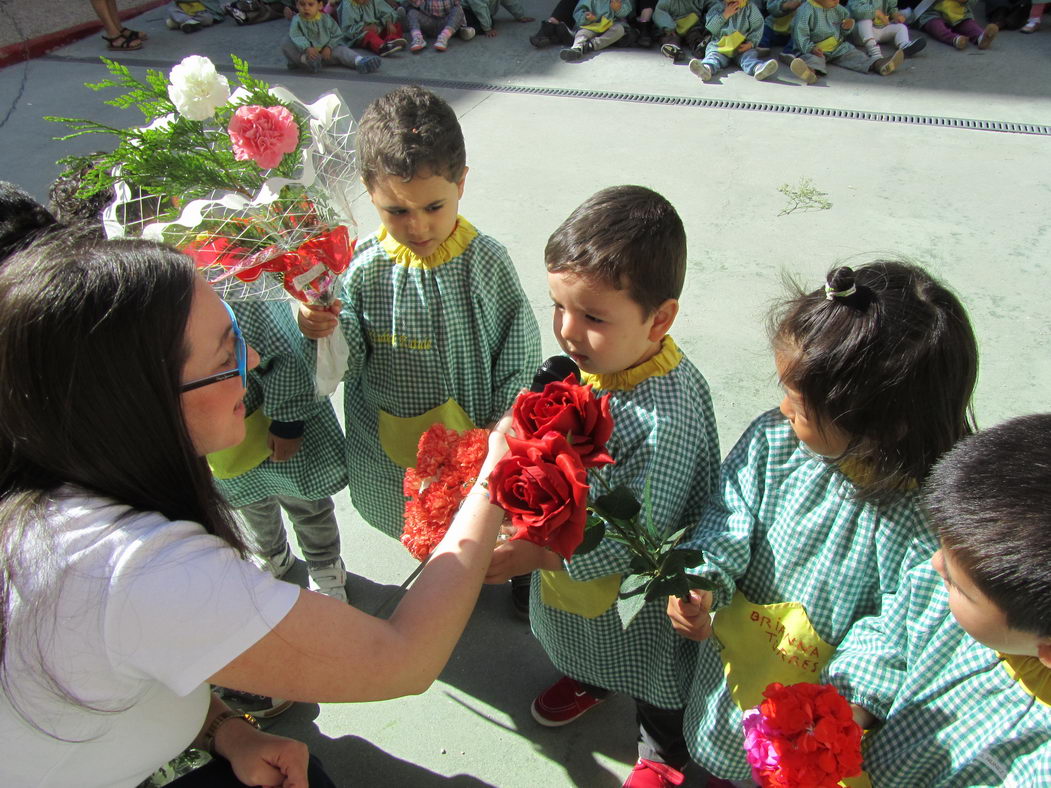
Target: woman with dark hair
(123, 585)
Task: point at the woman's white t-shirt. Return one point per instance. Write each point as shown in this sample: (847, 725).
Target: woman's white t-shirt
(129, 616)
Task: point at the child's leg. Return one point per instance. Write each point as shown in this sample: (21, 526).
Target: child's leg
(610, 37)
(582, 38)
(416, 20)
(1032, 24)
(755, 66)
(976, 34)
(453, 21)
(938, 30)
(371, 41)
(314, 523)
(293, 54)
(868, 36)
(671, 44)
(394, 32)
(660, 735)
(263, 519)
(695, 39)
(807, 66)
(363, 64)
(856, 60)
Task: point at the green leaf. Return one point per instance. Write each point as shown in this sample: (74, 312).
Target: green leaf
(619, 503)
(677, 560)
(638, 565)
(592, 536)
(633, 585)
(670, 585)
(701, 582)
(675, 537)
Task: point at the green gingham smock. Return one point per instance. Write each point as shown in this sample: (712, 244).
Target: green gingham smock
(955, 714)
(318, 33)
(455, 325)
(354, 17)
(283, 385)
(813, 23)
(787, 528)
(664, 432)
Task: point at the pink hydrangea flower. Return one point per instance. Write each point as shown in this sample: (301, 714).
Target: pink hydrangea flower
(263, 134)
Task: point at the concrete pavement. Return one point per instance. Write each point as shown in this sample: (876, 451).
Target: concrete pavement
(972, 205)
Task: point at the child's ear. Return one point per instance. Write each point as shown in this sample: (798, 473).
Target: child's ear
(662, 319)
(460, 183)
(1043, 652)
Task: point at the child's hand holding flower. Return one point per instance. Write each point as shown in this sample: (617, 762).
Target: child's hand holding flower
(691, 619)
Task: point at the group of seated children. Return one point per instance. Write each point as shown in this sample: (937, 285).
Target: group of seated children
(861, 533)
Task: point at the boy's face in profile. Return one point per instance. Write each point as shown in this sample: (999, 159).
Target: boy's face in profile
(419, 213)
(603, 329)
(979, 616)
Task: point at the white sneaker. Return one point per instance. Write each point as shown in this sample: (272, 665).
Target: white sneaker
(330, 580)
(765, 71)
(278, 565)
(700, 69)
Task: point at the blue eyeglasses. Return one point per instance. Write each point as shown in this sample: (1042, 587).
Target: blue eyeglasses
(241, 351)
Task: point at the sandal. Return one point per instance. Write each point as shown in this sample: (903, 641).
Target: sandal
(126, 44)
(133, 35)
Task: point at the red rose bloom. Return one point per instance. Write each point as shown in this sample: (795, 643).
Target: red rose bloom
(542, 485)
(569, 409)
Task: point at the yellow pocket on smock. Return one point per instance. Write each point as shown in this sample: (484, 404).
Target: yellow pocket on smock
(766, 643)
(953, 11)
(587, 599)
(684, 23)
(728, 44)
(247, 454)
(828, 44)
(400, 436)
(600, 26)
(190, 6)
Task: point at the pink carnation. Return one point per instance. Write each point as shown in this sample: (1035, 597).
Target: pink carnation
(263, 134)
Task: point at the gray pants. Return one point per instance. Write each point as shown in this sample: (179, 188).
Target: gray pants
(428, 25)
(340, 54)
(313, 521)
(599, 40)
(855, 60)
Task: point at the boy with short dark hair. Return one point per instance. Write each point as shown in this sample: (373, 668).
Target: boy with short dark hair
(957, 671)
(616, 268)
(438, 325)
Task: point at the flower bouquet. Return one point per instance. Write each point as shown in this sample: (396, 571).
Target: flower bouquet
(254, 184)
(802, 736)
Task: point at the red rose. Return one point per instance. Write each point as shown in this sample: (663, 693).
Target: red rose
(542, 485)
(569, 409)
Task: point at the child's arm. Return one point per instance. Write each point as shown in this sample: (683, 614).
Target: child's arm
(716, 20)
(483, 12)
(298, 34)
(621, 8)
(583, 14)
(662, 15)
(510, 337)
(751, 27)
(801, 29)
(870, 665)
(318, 322)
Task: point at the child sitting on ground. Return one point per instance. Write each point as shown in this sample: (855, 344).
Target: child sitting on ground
(777, 26)
(681, 25)
(736, 27)
(439, 18)
(616, 268)
(957, 671)
(819, 516)
(600, 23)
(189, 16)
(438, 326)
(952, 22)
(315, 40)
(820, 30)
(481, 12)
(877, 21)
(372, 24)
(251, 12)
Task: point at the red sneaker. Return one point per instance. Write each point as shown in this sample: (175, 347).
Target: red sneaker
(653, 774)
(562, 702)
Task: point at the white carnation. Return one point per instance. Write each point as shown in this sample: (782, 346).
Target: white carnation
(196, 88)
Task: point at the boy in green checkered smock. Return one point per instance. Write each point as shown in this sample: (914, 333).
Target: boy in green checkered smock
(438, 325)
(820, 33)
(817, 516)
(292, 455)
(955, 673)
(615, 269)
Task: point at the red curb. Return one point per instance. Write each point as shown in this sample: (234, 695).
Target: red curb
(41, 45)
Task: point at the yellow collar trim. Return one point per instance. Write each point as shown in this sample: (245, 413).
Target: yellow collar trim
(665, 361)
(1031, 675)
(313, 18)
(453, 246)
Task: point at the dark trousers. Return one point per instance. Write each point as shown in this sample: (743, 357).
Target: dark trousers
(218, 774)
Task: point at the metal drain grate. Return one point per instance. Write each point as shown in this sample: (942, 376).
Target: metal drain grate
(1006, 127)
